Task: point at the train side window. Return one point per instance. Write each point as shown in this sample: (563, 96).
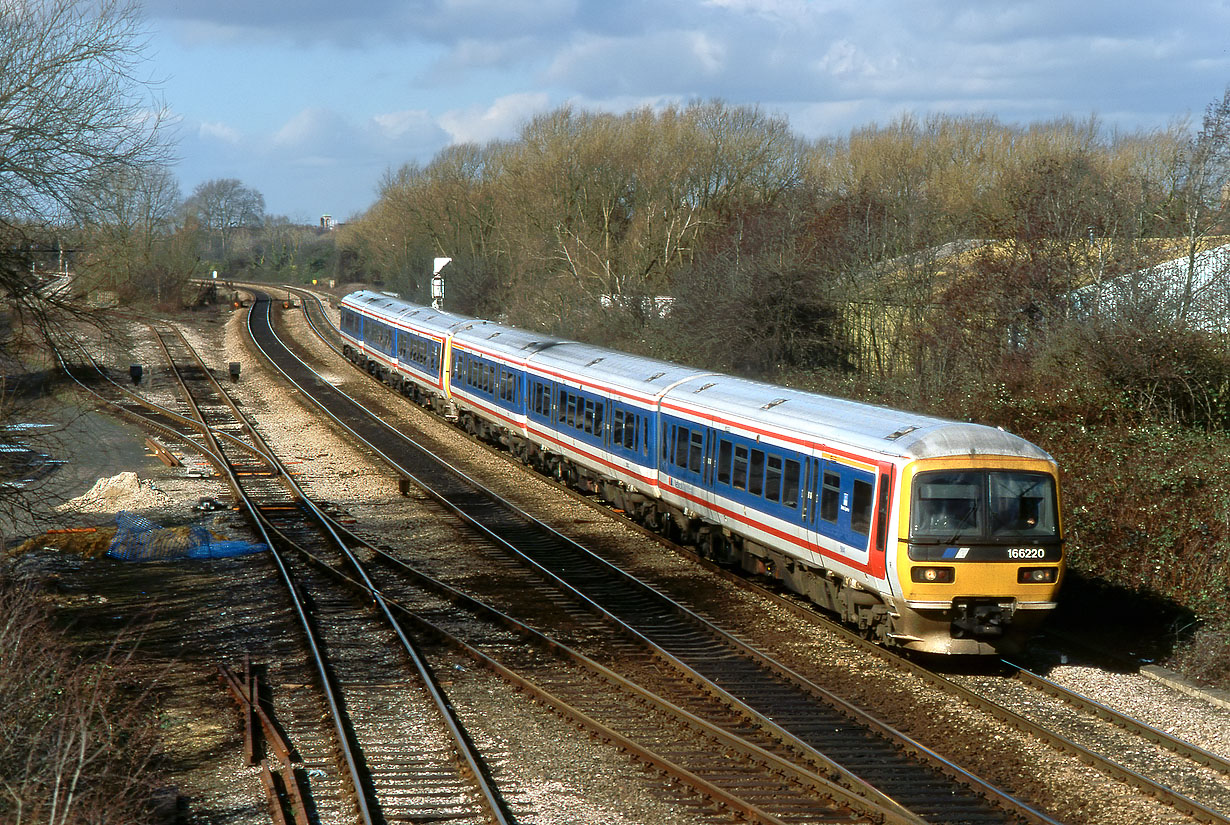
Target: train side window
(645, 440)
(724, 461)
(740, 467)
(773, 478)
(696, 455)
(790, 484)
(590, 422)
(755, 473)
(830, 495)
(681, 447)
(860, 515)
(617, 427)
(632, 428)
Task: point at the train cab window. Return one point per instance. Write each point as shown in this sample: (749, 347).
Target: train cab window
(725, 455)
(739, 477)
(830, 497)
(755, 473)
(860, 514)
(973, 504)
(790, 484)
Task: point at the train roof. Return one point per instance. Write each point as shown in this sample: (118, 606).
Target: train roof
(839, 421)
(395, 310)
(511, 342)
(821, 418)
(640, 378)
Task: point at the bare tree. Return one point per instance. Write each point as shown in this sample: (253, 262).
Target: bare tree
(223, 205)
(72, 108)
(126, 217)
(1203, 185)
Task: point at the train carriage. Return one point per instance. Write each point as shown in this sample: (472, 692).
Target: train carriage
(929, 534)
(409, 347)
(603, 416)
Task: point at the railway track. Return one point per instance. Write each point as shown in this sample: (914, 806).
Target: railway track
(390, 770)
(1189, 779)
(751, 687)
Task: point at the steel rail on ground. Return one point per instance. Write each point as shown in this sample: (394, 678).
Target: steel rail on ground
(213, 452)
(461, 742)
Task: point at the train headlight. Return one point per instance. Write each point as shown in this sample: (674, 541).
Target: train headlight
(932, 575)
(1037, 575)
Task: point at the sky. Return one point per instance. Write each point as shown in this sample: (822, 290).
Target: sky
(312, 102)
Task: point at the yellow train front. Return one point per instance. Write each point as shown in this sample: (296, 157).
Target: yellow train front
(979, 554)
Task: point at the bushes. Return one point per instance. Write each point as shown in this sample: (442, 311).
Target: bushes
(76, 740)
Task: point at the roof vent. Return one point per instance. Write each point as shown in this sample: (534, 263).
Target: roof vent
(774, 403)
(655, 376)
(704, 387)
(901, 432)
(492, 335)
(595, 361)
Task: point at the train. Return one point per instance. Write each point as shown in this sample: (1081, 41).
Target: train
(922, 533)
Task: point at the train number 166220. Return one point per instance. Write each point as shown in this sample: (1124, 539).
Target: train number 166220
(1026, 552)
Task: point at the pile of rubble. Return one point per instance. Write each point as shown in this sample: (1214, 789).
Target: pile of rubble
(119, 492)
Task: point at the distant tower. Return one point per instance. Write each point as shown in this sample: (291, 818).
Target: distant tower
(326, 222)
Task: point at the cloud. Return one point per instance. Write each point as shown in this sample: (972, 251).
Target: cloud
(219, 132)
(502, 119)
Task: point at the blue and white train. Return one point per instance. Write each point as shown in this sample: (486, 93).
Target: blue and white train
(927, 534)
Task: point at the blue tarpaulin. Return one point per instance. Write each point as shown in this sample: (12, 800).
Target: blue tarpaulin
(139, 539)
